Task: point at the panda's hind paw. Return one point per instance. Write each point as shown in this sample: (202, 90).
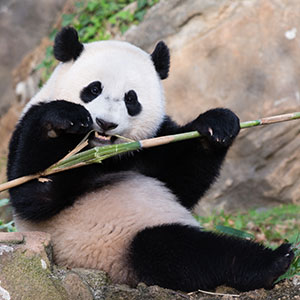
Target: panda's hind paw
(282, 258)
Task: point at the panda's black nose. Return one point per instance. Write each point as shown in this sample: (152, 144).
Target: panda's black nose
(106, 125)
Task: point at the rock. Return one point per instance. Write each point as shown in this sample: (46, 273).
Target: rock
(242, 55)
(76, 288)
(25, 269)
(22, 25)
(7, 125)
(11, 237)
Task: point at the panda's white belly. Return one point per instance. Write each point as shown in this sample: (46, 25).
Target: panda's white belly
(97, 230)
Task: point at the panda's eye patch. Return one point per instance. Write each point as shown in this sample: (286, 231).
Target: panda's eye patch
(132, 103)
(90, 92)
(131, 97)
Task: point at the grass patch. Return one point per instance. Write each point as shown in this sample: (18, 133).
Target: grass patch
(9, 226)
(269, 226)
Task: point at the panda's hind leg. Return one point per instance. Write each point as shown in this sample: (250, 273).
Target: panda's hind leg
(185, 258)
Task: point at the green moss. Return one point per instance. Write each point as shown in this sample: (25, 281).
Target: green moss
(25, 278)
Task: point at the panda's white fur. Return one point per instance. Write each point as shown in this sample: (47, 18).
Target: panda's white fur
(121, 67)
(97, 230)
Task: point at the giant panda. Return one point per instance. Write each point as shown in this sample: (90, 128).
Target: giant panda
(131, 215)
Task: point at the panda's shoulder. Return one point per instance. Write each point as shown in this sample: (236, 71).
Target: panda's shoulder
(167, 126)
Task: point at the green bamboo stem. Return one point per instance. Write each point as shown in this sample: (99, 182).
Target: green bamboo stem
(98, 154)
(194, 134)
(270, 120)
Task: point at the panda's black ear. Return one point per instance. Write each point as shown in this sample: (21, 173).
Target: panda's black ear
(67, 45)
(161, 59)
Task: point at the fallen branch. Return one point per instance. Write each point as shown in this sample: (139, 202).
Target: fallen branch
(215, 294)
(98, 154)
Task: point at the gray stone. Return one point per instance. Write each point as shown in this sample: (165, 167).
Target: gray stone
(243, 55)
(22, 25)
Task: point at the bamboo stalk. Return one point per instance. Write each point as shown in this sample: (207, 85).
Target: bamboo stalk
(18, 181)
(193, 134)
(98, 154)
(270, 120)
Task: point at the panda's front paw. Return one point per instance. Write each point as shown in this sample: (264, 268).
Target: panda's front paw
(219, 126)
(64, 117)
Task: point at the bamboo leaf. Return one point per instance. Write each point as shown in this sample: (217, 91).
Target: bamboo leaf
(4, 202)
(234, 232)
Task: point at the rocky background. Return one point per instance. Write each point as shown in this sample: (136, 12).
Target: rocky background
(243, 55)
(239, 54)
(22, 26)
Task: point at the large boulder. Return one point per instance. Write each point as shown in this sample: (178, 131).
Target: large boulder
(243, 55)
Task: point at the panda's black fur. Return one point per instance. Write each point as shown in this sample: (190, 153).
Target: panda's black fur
(173, 252)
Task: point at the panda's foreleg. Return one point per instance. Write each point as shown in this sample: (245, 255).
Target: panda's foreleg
(44, 135)
(186, 258)
(189, 167)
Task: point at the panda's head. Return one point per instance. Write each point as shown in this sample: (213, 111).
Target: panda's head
(118, 83)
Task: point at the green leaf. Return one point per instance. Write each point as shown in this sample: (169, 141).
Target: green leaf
(141, 4)
(79, 4)
(4, 202)
(140, 15)
(123, 28)
(49, 52)
(113, 20)
(124, 15)
(67, 19)
(53, 34)
(10, 227)
(39, 66)
(91, 6)
(234, 232)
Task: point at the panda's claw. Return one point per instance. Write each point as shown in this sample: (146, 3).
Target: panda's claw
(66, 118)
(220, 126)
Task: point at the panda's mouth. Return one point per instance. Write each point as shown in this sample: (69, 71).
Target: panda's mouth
(99, 139)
